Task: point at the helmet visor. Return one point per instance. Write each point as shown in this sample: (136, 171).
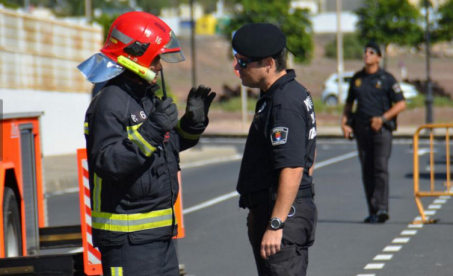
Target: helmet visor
(172, 50)
(99, 68)
(173, 57)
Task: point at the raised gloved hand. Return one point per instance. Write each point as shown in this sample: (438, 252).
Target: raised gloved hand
(165, 115)
(198, 102)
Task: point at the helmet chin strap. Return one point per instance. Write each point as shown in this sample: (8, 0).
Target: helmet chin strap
(164, 91)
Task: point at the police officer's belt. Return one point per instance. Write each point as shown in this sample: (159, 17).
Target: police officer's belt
(248, 201)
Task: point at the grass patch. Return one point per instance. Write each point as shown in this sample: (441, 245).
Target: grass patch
(235, 105)
(419, 101)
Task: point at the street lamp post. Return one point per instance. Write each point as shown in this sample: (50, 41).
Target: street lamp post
(192, 45)
(429, 90)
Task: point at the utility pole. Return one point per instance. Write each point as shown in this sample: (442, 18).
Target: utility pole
(192, 45)
(88, 11)
(340, 68)
(429, 90)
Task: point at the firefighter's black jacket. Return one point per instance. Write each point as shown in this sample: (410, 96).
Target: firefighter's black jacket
(132, 164)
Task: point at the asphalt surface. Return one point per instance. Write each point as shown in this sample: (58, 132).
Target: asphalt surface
(216, 242)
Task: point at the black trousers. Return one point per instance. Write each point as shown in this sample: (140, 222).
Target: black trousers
(298, 235)
(150, 259)
(374, 153)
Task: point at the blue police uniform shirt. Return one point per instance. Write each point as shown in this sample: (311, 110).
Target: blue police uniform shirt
(282, 134)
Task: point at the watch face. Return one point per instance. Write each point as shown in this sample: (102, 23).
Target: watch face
(275, 224)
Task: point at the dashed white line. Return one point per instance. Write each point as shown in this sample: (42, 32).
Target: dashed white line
(375, 266)
(366, 274)
(445, 197)
(415, 225)
(435, 206)
(409, 232)
(392, 248)
(401, 240)
(430, 212)
(440, 201)
(383, 257)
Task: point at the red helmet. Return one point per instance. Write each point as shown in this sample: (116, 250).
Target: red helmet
(141, 37)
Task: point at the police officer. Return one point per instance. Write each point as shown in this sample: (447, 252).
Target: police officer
(275, 179)
(133, 144)
(379, 100)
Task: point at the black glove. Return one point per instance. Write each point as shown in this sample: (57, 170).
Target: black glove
(165, 115)
(198, 103)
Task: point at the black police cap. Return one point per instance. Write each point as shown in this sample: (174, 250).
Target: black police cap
(259, 40)
(373, 45)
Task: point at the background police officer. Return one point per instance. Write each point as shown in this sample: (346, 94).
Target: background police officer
(275, 180)
(379, 101)
(133, 144)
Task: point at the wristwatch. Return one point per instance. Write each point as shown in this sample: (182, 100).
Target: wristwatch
(276, 223)
(384, 120)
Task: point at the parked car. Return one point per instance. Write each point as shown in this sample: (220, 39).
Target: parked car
(330, 92)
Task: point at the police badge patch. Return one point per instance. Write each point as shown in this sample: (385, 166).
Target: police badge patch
(279, 135)
(396, 87)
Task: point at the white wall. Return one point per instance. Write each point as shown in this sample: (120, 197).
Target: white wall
(327, 22)
(62, 122)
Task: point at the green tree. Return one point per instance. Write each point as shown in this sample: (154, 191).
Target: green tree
(444, 30)
(389, 21)
(294, 23)
(354, 49)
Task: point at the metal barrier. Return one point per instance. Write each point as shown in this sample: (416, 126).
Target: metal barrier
(443, 130)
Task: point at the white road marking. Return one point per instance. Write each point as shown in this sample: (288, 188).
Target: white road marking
(335, 160)
(210, 202)
(440, 201)
(392, 248)
(430, 212)
(445, 197)
(409, 232)
(211, 161)
(235, 194)
(366, 274)
(383, 257)
(401, 240)
(374, 266)
(434, 206)
(415, 225)
(419, 218)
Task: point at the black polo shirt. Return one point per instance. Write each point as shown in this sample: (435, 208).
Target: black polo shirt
(375, 93)
(282, 135)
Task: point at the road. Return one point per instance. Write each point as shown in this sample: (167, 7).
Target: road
(216, 242)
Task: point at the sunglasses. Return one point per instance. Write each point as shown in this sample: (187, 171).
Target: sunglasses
(370, 51)
(243, 62)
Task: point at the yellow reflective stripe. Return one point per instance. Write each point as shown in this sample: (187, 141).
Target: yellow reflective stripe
(116, 271)
(86, 129)
(97, 193)
(137, 138)
(132, 222)
(186, 135)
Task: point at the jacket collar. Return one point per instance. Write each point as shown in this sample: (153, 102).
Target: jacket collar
(289, 76)
(137, 90)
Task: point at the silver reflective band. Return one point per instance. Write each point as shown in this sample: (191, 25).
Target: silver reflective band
(120, 36)
(99, 68)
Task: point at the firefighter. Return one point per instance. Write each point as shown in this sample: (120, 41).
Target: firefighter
(133, 143)
(276, 177)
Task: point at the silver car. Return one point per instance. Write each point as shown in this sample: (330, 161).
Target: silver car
(330, 92)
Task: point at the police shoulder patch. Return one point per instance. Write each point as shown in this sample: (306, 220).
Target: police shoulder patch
(396, 87)
(279, 136)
